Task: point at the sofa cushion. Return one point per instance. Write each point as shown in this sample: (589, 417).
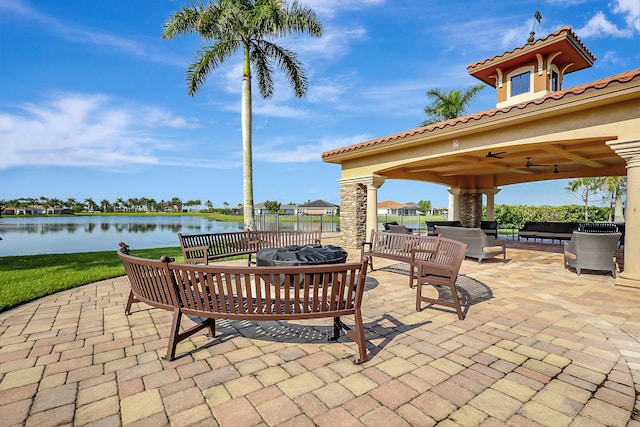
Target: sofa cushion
(489, 249)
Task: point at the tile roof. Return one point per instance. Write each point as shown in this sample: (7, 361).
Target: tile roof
(550, 97)
(390, 204)
(566, 29)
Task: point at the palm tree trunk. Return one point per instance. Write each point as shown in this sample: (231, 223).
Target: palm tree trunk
(249, 218)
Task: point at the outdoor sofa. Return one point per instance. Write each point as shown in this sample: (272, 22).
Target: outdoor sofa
(551, 230)
(480, 246)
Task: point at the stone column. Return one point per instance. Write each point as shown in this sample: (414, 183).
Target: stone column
(471, 208)
(491, 210)
(630, 151)
(358, 208)
(353, 213)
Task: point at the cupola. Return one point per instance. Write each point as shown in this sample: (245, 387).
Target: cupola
(535, 69)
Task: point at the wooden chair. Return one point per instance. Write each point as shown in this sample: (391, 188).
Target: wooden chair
(438, 268)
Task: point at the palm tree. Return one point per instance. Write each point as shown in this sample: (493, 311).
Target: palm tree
(584, 188)
(250, 25)
(615, 187)
(447, 106)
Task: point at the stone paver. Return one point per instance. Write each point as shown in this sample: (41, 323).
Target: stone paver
(550, 348)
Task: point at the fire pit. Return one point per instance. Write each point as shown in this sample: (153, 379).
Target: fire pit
(301, 255)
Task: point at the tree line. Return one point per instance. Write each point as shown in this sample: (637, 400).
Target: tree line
(142, 204)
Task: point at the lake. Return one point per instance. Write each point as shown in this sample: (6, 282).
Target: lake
(48, 235)
(68, 234)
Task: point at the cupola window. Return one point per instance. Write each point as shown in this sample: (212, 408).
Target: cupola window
(520, 83)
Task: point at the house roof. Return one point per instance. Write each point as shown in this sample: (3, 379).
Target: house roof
(390, 204)
(334, 156)
(318, 204)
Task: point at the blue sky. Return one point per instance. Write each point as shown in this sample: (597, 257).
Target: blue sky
(93, 101)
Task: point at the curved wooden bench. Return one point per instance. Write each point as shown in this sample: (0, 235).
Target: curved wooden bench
(202, 248)
(248, 293)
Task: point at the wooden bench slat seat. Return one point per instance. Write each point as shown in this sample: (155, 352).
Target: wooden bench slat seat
(248, 293)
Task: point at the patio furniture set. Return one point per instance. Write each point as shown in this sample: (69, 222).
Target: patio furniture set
(298, 286)
(298, 278)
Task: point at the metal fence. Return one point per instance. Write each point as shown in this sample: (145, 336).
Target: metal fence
(324, 223)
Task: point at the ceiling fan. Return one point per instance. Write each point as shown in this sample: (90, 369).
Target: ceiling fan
(555, 169)
(531, 164)
(497, 155)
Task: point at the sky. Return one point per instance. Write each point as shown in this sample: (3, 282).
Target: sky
(93, 102)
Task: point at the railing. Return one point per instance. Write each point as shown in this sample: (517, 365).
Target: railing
(324, 223)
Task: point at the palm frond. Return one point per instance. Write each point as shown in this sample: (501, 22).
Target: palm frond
(208, 59)
(185, 21)
(287, 61)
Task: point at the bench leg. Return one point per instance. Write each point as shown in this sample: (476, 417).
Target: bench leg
(130, 301)
(175, 336)
(337, 326)
(356, 335)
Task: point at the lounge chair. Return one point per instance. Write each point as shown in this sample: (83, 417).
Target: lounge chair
(592, 251)
(393, 228)
(480, 245)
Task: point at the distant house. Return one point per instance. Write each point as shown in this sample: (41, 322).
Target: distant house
(389, 207)
(318, 207)
(59, 211)
(260, 209)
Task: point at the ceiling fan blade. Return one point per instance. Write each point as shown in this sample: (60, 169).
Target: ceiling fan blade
(495, 155)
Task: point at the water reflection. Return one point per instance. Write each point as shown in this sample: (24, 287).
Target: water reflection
(41, 235)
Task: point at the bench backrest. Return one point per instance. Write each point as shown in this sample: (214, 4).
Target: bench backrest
(218, 243)
(442, 266)
(293, 292)
(401, 245)
(241, 242)
(151, 280)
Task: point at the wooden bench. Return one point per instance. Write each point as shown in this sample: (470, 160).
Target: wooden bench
(248, 293)
(399, 247)
(202, 248)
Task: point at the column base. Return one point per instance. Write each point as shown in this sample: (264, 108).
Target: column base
(629, 280)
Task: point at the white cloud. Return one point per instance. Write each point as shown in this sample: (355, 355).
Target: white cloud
(288, 152)
(85, 130)
(335, 42)
(331, 8)
(631, 10)
(600, 26)
(81, 34)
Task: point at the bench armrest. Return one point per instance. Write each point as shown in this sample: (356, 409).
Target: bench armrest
(205, 254)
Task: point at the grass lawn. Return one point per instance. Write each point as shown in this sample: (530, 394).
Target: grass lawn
(25, 278)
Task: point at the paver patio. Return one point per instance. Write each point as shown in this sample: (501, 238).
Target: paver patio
(550, 348)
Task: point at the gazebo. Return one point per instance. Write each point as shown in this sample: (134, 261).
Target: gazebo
(538, 131)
